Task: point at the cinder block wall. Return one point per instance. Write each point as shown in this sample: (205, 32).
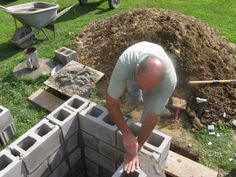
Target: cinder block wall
(7, 128)
(77, 139)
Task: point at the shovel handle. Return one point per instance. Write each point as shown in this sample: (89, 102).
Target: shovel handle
(211, 82)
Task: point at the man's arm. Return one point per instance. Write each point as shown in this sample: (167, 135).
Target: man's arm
(149, 123)
(129, 140)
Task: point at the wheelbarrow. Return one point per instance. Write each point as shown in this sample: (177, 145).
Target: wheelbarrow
(34, 16)
(113, 4)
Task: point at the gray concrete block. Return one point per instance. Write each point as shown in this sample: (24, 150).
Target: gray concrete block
(107, 150)
(66, 120)
(42, 171)
(76, 103)
(61, 170)
(107, 163)
(75, 156)
(119, 157)
(95, 121)
(37, 144)
(72, 142)
(91, 174)
(57, 157)
(121, 173)
(160, 143)
(8, 133)
(78, 170)
(11, 166)
(91, 166)
(104, 172)
(5, 118)
(65, 55)
(91, 155)
(90, 141)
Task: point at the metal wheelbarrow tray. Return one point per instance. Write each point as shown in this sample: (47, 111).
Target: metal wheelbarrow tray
(34, 14)
(38, 15)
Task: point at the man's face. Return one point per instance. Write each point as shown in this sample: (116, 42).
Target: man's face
(148, 82)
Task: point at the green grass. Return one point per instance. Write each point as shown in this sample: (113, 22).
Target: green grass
(220, 14)
(222, 149)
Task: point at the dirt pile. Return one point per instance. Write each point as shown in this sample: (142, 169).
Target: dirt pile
(198, 51)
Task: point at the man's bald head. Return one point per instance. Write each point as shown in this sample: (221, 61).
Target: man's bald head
(150, 73)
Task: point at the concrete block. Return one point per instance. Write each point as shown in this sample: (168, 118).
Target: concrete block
(42, 171)
(104, 172)
(121, 173)
(91, 166)
(160, 143)
(76, 103)
(119, 139)
(66, 120)
(107, 163)
(5, 118)
(78, 170)
(91, 155)
(61, 170)
(37, 144)
(90, 141)
(7, 134)
(72, 142)
(11, 166)
(95, 121)
(119, 157)
(65, 55)
(107, 150)
(91, 174)
(57, 157)
(75, 156)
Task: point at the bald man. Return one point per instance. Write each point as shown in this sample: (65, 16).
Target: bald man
(149, 75)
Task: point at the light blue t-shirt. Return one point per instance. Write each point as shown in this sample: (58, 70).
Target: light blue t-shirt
(126, 68)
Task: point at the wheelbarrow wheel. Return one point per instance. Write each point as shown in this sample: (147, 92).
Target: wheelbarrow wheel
(83, 2)
(113, 4)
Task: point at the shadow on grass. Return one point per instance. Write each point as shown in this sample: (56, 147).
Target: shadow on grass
(232, 173)
(5, 2)
(80, 10)
(9, 50)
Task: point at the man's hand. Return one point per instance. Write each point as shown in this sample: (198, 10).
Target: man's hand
(130, 144)
(130, 164)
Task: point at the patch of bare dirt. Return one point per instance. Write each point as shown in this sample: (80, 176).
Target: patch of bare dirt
(198, 51)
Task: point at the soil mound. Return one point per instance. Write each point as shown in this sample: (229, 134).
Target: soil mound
(198, 52)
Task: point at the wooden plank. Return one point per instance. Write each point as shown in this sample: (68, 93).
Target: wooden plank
(45, 100)
(180, 166)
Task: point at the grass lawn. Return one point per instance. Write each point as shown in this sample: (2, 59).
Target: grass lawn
(220, 14)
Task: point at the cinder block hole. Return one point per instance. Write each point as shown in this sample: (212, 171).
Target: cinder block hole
(26, 143)
(61, 115)
(1, 142)
(76, 103)
(155, 140)
(135, 129)
(4, 162)
(14, 152)
(134, 174)
(1, 110)
(108, 120)
(9, 132)
(43, 130)
(61, 50)
(95, 112)
(68, 52)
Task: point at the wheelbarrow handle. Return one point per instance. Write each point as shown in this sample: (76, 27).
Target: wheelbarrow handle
(4, 8)
(63, 12)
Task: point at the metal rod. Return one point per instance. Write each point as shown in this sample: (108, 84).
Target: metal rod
(44, 34)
